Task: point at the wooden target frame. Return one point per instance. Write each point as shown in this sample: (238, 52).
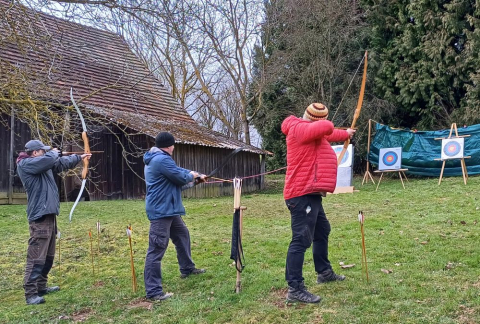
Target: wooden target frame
(453, 129)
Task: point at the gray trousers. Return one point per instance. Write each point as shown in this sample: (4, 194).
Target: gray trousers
(161, 230)
(40, 254)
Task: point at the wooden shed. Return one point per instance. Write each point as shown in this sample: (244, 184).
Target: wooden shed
(114, 87)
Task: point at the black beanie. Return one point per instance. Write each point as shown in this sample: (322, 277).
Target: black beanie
(164, 139)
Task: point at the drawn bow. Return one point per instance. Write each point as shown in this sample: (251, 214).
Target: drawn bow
(357, 110)
(86, 148)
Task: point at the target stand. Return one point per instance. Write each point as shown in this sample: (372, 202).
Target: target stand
(400, 172)
(452, 149)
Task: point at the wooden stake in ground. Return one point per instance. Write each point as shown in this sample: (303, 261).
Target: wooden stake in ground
(132, 266)
(361, 219)
(91, 253)
(98, 237)
(59, 254)
(367, 173)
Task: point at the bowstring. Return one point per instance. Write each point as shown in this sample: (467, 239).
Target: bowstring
(346, 92)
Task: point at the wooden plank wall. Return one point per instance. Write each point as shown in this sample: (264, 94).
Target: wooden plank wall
(22, 135)
(112, 178)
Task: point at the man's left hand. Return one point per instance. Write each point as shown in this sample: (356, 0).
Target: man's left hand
(351, 132)
(201, 178)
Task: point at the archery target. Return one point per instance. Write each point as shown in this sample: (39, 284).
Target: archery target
(452, 148)
(347, 158)
(390, 158)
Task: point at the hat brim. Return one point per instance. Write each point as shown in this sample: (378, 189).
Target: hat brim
(46, 148)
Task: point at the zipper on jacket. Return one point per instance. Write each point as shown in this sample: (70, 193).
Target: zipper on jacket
(315, 176)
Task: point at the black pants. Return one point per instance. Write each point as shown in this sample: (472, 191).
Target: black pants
(309, 224)
(40, 254)
(161, 230)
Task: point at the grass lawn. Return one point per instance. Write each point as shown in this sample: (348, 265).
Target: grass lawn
(423, 249)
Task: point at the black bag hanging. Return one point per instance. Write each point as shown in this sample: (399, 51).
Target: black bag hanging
(236, 253)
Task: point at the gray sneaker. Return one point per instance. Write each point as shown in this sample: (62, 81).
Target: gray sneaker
(161, 296)
(301, 295)
(48, 291)
(329, 275)
(194, 271)
(35, 300)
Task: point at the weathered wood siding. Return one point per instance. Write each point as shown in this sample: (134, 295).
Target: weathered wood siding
(21, 136)
(111, 177)
(121, 180)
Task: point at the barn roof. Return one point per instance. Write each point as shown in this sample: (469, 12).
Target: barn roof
(52, 55)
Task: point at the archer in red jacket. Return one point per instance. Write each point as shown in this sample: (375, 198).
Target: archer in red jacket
(311, 173)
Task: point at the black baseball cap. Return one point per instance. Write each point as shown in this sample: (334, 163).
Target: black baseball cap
(34, 145)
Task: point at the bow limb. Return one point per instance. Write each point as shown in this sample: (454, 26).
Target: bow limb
(225, 161)
(86, 148)
(357, 110)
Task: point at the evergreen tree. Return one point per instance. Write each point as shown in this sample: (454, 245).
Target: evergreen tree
(427, 60)
(310, 52)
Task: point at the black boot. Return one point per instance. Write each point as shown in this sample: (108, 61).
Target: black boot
(194, 271)
(329, 275)
(35, 300)
(48, 290)
(301, 294)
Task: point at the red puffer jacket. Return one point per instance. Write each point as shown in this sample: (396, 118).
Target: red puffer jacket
(311, 161)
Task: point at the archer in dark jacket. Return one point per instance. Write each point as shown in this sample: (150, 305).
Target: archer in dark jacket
(164, 208)
(35, 167)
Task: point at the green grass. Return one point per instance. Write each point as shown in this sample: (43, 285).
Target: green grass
(427, 235)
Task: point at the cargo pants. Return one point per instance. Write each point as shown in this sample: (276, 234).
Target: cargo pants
(40, 254)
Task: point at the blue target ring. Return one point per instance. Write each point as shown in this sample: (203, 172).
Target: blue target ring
(390, 158)
(452, 148)
(338, 150)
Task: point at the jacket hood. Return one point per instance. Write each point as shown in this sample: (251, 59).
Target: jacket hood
(154, 151)
(22, 156)
(291, 121)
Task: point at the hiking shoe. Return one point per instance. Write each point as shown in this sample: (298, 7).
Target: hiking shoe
(301, 295)
(35, 300)
(329, 275)
(48, 291)
(161, 296)
(194, 271)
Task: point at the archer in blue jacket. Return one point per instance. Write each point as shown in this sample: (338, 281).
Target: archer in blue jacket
(164, 207)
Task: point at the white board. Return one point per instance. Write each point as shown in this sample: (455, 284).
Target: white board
(390, 158)
(452, 148)
(347, 159)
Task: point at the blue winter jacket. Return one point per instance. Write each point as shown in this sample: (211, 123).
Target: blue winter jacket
(164, 181)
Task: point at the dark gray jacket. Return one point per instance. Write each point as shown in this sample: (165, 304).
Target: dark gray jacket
(36, 174)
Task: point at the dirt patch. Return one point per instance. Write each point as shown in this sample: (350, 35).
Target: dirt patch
(140, 303)
(82, 315)
(477, 284)
(99, 284)
(279, 298)
(467, 315)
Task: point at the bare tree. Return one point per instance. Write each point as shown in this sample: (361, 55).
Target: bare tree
(30, 74)
(192, 45)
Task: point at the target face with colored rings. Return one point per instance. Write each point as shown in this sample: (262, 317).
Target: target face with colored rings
(338, 150)
(390, 158)
(452, 148)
